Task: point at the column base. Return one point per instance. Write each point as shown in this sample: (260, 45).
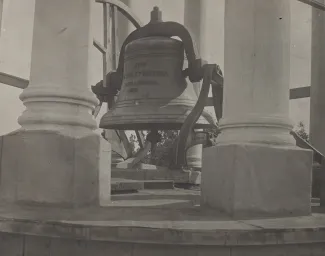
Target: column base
(251, 180)
(46, 167)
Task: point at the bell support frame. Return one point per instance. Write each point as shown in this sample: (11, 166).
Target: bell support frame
(212, 76)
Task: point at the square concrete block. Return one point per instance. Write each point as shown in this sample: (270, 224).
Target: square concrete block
(257, 180)
(48, 167)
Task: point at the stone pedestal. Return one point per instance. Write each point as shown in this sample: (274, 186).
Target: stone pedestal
(249, 180)
(50, 168)
(55, 157)
(256, 169)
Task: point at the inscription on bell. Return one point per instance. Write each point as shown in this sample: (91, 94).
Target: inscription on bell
(140, 70)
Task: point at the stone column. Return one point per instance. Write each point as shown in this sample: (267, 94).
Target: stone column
(256, 169)
(55, 157)
(317, 103)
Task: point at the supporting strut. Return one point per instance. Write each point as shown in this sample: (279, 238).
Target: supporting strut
(212, 76)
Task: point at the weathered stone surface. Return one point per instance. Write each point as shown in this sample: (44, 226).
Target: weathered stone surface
(157, 173)
(158, 184)
(27, 245)
(104, 172)
(317, 180)
(131, 226)
(120, 185)
(162, 250)
(37, 246)
(47, 167)
(322, 187)
(250, 180)
(11, 244)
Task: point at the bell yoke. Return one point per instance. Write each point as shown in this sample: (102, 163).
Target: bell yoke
(151, 87)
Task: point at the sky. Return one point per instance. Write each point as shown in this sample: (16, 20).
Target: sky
(16, 42)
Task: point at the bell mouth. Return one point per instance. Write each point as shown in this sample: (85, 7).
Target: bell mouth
(171, 118)
(152, 126)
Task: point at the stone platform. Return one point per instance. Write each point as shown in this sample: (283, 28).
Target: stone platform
(129, 186)
(153, 172)
(153, 223)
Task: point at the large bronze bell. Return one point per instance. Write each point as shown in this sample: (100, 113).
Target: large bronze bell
(154, 92)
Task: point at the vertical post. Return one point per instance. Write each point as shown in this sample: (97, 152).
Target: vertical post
(317, 105)
(110, 33)
(114, 38)
(256, 168)
(106, 39)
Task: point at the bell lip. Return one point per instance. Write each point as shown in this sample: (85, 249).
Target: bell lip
(152, 126)
(159, 122)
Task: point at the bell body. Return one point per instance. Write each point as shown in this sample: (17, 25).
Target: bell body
(154, 92)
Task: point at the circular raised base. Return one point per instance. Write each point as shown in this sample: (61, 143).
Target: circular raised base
(154, 223)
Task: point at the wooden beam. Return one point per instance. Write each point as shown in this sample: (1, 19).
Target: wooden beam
(13, 81)
(295, 93)
(314, 3)
(300, 92)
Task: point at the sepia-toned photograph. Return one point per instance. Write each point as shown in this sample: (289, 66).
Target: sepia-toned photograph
(162, 128)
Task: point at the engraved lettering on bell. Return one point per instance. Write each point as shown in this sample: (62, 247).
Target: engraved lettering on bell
(162, 99)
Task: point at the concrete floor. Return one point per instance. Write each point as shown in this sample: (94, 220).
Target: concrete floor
(155, 222)
(160, 212)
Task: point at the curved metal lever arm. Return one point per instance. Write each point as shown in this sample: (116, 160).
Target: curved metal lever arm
(212, 76)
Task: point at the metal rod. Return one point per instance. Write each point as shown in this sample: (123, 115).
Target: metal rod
(98, 45)
(105, 39)
(106, 22)
(114, 42)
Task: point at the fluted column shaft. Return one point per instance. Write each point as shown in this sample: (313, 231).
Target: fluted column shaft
(58, 96)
